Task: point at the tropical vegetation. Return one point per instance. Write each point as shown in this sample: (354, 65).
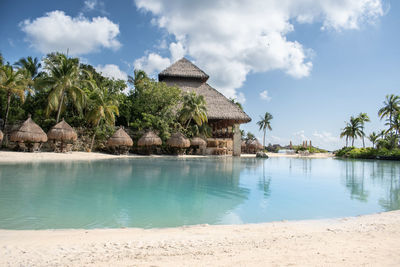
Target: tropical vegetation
(59, 86)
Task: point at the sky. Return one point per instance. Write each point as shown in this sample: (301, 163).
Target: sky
(310, 63)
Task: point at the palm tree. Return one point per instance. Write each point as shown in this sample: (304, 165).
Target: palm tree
(391, 105)
(12, 82)
(103, 106)
(194, 108)
(346, 131)
(373, 137)
(64, 83)
(31, 65)
(363, 118)
(265, 123)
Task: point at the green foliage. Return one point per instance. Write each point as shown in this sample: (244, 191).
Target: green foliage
(369, 153)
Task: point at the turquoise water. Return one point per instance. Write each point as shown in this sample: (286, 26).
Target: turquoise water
(154, 192)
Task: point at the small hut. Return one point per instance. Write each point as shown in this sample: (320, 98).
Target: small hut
(148, 141)
(60, 134)
(178, 141)
(254, 146)
(29, 136)
(243, 146)
(199, 144)
(120, 142)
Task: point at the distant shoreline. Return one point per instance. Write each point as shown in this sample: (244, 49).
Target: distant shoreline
(20, 157)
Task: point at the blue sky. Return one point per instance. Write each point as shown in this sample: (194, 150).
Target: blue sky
(312, 64)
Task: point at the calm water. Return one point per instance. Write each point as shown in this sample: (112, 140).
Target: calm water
(173, 192)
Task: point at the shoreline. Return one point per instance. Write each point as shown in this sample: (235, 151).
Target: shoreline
(352, 241)
(24, 157)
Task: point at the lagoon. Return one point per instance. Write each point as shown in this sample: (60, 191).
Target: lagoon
(169, 192)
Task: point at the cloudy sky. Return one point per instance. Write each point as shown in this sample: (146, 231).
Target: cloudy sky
(310, 63)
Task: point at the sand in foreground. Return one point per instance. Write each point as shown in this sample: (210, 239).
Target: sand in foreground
(371, 240)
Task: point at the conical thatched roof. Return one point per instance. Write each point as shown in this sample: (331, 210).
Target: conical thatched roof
(1, 136)
(188, 78)
(178, 140)
(255, 144)
(183, 68)
(197, 141)
(120, 138)
(62, 131)
(29, 132)
(150, 139)
(243, 144)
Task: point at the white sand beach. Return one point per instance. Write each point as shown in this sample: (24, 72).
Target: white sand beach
(15, 157)
(370, 240)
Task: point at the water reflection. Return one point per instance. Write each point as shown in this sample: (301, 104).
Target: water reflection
(171, 192)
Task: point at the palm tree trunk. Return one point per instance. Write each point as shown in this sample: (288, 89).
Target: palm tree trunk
(7, 111)
(94, 135)
(352, 142)
(187, 125)
(264, 140)
(60, 106)
(347, 141)
(363, 142)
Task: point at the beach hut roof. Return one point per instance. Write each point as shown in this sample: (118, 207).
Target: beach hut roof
(197, 141)
(120, 138)
(1, 136)
(185, 69)
(178, 140)
(62, 131)
(255, 144)
(29, 132)
(218, 106)
(243, 144)
(149, 139)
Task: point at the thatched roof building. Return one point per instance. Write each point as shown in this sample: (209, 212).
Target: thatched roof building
(29, 132)
(149, 139)
(178, 140)
(120, 138)
(197, 141)
(190, 78)
(62, 131)
(223, 116)
(1, 136)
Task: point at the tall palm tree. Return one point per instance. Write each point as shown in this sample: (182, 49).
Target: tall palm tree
(13, 83)
(64, 82)
(355, 129)
(395, 125)
(390, 106)
(373, 137)
(363, 118)
(32, 65)
(194, 108)
(346, 132)
(102, 107)
(265, 123)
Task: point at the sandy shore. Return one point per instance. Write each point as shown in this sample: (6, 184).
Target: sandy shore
(371, 240)
(15, 157)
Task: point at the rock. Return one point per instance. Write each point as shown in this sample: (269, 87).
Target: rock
(261, 155)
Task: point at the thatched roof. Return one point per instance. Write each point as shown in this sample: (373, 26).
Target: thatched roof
(62, 131)
(29, 132)
(1, 136)
(243, 144)
(149, 139)
(120, 138)
(197, 141)
(185, 69)
(218, 106)
(178, 140)
(255, 144)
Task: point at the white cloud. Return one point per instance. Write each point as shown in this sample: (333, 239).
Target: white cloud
(264, 95)
(90, 4)
(152, 63)
(241, 98)
(231, 39)
(57, 31)
(112, 71)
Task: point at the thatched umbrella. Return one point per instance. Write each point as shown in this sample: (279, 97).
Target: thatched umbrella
(62, 131)
(178, 140)
(197, 141)
(121, 140)
(254, 145)
(29, 132)
(1, 136)
(149, 139)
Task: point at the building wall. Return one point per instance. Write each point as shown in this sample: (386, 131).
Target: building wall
(237, 140)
